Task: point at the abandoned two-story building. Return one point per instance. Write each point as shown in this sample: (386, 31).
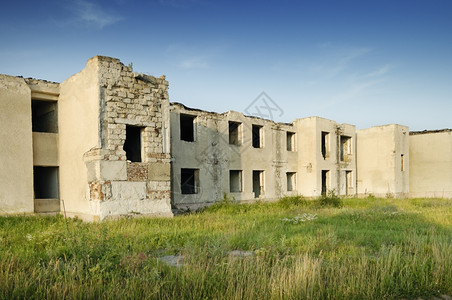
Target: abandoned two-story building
(107, 142)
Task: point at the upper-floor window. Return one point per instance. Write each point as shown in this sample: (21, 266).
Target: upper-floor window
(290, 141)
(345, 147)
(325, 146)
(187, 128)
(257, 136)
(235, 133)
(44, 116)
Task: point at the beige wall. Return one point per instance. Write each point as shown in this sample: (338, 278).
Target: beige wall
(311, 161)
(16, 152)
(45, 149)
(214, 157)
(379, 160)
(431, 164)
(78, 124)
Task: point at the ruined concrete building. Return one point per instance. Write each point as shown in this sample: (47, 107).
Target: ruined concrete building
(107, 142)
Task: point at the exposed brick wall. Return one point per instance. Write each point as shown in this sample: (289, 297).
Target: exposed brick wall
(129, 98)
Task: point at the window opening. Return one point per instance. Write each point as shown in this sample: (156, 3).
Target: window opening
(132, 144)
(325, 144)
(291, 181)
(44, 116)
(290, 139)
(258, 183)
(234, 133)
(189, 181)
(45, 182)
(235, 181)
(187, 128)
(257, 136)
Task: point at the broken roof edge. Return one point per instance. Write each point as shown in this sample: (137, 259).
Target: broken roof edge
(229, 112)
(29, 79)
(325, 119)
(430, 131)
(384, 125)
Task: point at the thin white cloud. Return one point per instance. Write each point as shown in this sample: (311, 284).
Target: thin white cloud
(88, 14)
(380, 71)
(351, 92)
(338, 61)
(194, 63)
(92, 14)
(342, 78)
(190, 57)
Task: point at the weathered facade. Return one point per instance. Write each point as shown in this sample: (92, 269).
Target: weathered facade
(383, 161)
(94, 146)
(107, 142)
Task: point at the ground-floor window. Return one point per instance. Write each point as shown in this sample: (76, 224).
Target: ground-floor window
(189, 180)
(291, 181)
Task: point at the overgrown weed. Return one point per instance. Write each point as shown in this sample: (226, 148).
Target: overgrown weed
(330, 199)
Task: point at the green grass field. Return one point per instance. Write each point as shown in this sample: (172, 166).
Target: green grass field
(300, 249)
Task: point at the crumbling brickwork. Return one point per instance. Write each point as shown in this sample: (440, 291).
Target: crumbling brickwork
(141, 102)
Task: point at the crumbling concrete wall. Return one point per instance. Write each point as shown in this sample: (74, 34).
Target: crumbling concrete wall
(108, 97)
(16, 152)
(431, 164)
(321, 166)
(383, 160)
(212, 155)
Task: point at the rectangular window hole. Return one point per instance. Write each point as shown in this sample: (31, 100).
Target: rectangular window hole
(44, 116)
(290, 141)
(187, 128)
(235, 181)
(291, 181)
(45, 182)
(234, 133)
(348, 183)
(325, 181)
(325, 148)
(189, 181)
(258, 183)
(257, 136)
(132, 144)
(345, 147)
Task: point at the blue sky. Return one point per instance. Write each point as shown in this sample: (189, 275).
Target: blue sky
(360, 62)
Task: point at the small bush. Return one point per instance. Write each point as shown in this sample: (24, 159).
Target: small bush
(371, 197)
(288, 201)
(226, 203)
(330, 199)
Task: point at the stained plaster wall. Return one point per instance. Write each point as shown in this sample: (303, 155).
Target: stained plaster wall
(214, 157)
(380, 171)
(79, 129)
(431, 164)
(311, 161)
(16, 152)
